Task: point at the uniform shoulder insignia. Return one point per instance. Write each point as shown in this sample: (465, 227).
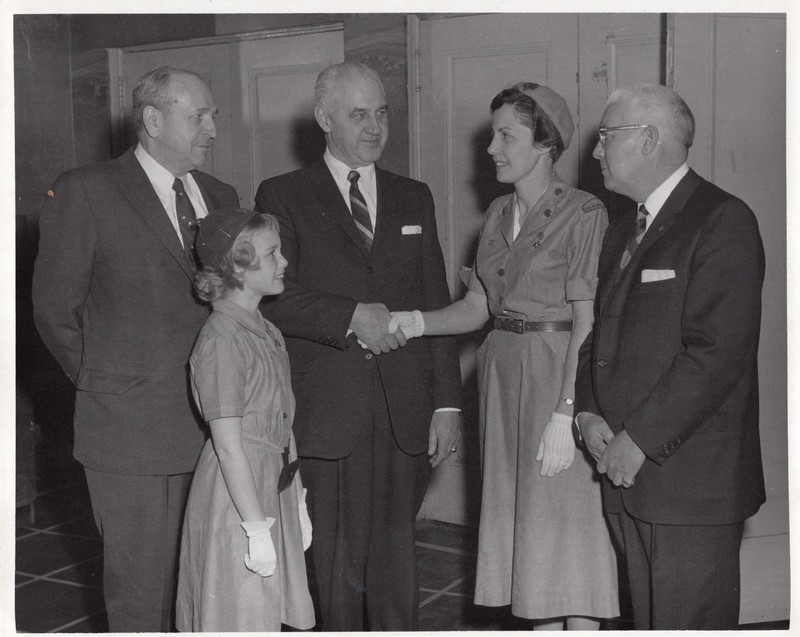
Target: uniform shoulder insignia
(50, 193)
(592, 204)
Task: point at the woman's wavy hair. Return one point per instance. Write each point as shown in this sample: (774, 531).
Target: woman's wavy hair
(213, 283)
(531, 115)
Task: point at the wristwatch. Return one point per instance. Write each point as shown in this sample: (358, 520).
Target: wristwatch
(568, 401)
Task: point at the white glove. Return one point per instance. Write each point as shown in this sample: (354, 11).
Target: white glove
(305, 521)
(260, 556)
(557, 446)
(412, 323)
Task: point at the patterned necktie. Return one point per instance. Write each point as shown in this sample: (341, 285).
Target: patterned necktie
(187, 220)
(359, 209)
(635, 238)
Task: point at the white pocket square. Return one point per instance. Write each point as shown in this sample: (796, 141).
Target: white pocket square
(648, 276)
(412, 230)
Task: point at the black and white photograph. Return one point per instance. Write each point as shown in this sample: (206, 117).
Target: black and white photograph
(416, 317)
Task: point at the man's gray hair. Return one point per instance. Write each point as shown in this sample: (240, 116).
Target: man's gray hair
(327, 79)
(152, 90)
(663, 106)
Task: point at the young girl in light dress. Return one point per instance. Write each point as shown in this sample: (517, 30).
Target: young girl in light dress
(246, 526)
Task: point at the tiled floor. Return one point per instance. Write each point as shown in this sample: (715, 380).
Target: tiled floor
(59, 568)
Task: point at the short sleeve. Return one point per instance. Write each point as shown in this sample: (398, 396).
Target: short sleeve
(218, 375)
(474, 284)
(583, 250)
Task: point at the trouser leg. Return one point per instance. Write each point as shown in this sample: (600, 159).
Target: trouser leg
(139, 519)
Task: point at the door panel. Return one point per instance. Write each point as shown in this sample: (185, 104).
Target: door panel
(264, 88)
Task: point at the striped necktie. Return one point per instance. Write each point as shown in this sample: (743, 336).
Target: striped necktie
(187, 220)
(635, 238)
(359, 209)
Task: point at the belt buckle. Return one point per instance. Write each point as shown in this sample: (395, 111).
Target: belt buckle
(517, 326)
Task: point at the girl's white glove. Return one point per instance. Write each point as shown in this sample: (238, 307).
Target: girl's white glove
(305, 521)
(557, 446)
(412, 323)
(260, 556)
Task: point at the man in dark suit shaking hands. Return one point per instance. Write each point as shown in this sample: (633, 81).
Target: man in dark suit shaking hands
(370, 422)
(667, 386)
(112, 295)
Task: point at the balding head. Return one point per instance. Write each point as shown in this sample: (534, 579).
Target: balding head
(662, 107)
(646, 134)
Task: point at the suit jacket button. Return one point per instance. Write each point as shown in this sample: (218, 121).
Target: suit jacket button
(548, 212)
(370, 270)
(368, 356)
(602, 362)
(501, 271)
(558, 191)
(491, 242)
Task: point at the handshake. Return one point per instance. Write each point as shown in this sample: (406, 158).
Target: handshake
(381, 331)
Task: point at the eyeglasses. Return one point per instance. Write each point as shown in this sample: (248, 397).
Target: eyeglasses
(603, 131)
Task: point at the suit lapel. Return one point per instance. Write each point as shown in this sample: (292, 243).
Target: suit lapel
(386, 220)
(330, 198)
(669, 211)
(212, 202)
(137, 189)
(611, 281)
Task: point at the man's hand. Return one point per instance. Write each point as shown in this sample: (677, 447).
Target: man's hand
(621, 460)
(444, 435)
(595, 432)
(370, 323)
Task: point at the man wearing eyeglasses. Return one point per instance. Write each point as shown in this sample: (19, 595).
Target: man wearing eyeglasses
(667, 388)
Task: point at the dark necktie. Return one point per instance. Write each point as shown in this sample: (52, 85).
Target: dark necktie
(635, 238)
(359, 209)
(187, 220)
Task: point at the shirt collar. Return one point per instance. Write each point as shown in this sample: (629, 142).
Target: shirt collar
(659, 196)
(160, 177)
(340, 170)
(253, 322)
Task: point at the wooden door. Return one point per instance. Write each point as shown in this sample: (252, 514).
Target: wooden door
(463, 62)
(263, 84)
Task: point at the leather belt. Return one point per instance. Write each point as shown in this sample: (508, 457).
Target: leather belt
(519, 326)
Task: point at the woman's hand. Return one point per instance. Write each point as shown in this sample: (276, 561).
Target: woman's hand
(557, 446)
(260, 556)
(411, 323)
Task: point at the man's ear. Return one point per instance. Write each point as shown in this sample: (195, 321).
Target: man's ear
(152, 119)
(651, 140)
(322, 117)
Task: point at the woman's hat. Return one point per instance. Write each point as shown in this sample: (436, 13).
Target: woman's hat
(555, 107)
(217, 232)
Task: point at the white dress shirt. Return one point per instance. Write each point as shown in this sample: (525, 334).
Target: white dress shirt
(162, 181)
(366, 183)
(659, 196)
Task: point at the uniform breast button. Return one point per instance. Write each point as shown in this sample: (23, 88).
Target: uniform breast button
(558, 191)
(285, 415)
(536, 244)
(368, 356)
(540, 235)
(491, 242)
(501, 271)
(602, 362)
(548, 212)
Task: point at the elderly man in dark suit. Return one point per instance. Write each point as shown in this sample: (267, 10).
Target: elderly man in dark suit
(113, 302)
(667, 386)
(360, 240)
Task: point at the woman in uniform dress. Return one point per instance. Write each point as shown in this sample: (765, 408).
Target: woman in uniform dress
(544, 547)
